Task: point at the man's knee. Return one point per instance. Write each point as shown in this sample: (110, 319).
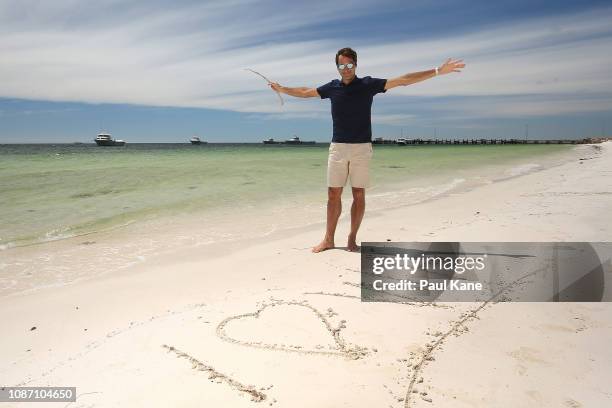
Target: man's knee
(358, 193)
(334, 193)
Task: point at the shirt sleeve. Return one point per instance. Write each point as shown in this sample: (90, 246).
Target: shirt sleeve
(323, 90)
(376, 85)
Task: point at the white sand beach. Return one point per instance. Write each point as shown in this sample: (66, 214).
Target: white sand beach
(268, 323)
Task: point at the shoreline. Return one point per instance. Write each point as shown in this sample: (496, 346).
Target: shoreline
(143, 242)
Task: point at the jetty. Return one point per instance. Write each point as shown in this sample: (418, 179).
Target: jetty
(418, 141)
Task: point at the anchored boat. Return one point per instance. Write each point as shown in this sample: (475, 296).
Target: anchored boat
(105, 139)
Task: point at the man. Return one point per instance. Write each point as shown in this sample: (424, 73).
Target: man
(351, 148)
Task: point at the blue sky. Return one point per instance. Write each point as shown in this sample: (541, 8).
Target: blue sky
(157, 71)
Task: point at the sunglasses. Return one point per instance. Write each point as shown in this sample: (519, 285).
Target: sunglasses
(349, 66)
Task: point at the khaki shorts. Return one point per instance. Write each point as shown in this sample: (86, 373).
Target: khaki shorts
(349, 161)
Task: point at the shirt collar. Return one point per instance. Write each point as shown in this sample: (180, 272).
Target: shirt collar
(355, 80)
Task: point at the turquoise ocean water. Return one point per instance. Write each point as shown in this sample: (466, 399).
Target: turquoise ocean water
(192, 195)
(57, 191)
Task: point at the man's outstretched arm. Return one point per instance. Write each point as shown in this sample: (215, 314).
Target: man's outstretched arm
(302, 92)
(414, 77)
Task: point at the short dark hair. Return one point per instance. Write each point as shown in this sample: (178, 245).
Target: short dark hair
(347, 52)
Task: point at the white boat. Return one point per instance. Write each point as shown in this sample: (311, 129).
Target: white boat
(296, 141)
(105, 139)
(196, 141)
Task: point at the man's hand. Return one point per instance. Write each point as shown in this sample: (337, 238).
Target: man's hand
(275, 86)
(414, 77)
(451, 66)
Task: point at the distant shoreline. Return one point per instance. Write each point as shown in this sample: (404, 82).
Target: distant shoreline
(387, 142)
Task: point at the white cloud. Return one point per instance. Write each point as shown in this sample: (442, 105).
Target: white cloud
(193, 56)
(400, 119)
(536, 105)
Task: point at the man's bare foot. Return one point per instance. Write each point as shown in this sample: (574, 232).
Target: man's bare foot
(351, 245)
(323, 246)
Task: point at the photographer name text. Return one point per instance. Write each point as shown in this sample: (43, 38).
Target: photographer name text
(424, 284)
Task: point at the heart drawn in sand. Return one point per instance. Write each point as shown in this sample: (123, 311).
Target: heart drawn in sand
(288, 326)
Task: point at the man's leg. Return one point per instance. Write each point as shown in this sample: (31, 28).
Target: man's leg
(357, 211)
(359, 173)
(334, 209)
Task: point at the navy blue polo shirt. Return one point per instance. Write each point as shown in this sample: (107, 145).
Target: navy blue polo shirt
(351, 107)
